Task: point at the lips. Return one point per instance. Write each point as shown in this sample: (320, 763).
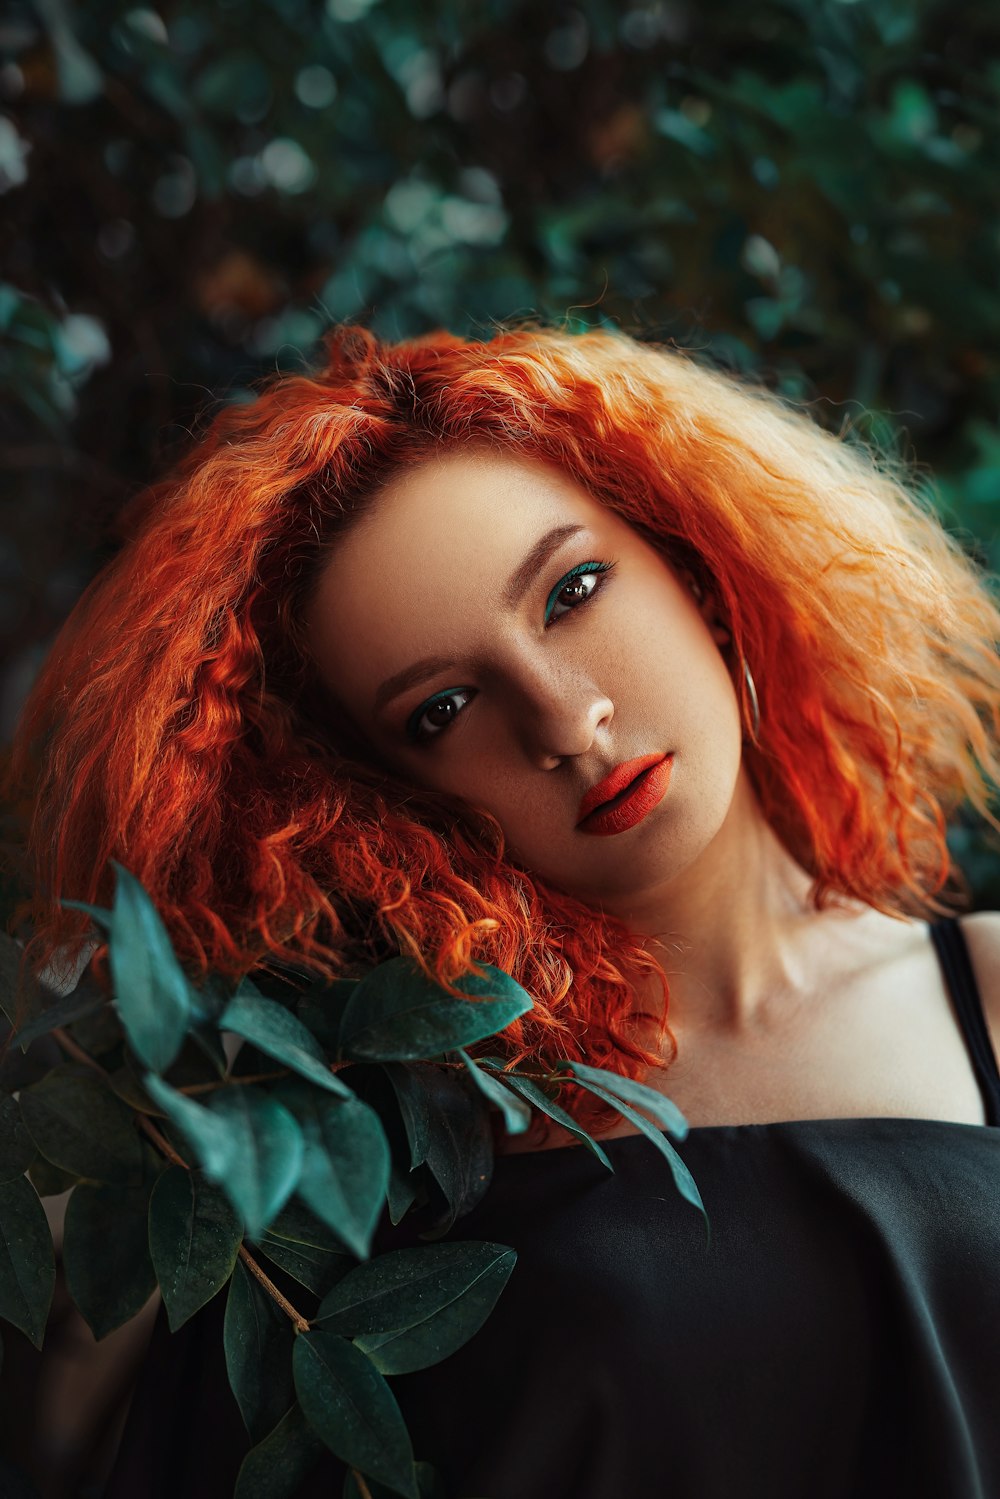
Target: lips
(614, 784)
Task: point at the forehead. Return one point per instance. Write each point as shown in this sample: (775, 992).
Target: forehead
(422, 570)
(454, 493)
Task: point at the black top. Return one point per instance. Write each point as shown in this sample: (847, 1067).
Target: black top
(838, 1339)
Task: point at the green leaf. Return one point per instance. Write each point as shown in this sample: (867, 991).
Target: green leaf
(49, 1180)
(460, 1148)
(33, 994)
(244, 1139)
(79, 1124)
(27, 1260)
(345, 1166)
(321, 1010)
(65, 1011)
(348, 1403)
(306, 1249)
(151, 990)
(258, 1338)
(534, 1094)
(401, 1192)
(408, 1084)
(516, 1115)
(278, 1466)
(17, 1148)
(683, 1180)
(279, 1034)
(396, 1014)
(109, 1273)
(657, 1104)
(411, 1308)
(194, 1239)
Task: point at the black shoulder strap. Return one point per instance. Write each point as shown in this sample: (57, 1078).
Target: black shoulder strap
(953, 955)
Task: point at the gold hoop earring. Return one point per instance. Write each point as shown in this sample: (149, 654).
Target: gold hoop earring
(754, 702)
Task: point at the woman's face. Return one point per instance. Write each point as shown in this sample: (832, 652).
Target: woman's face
(496, 633)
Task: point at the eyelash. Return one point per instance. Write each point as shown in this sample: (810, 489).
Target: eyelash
(585, 569)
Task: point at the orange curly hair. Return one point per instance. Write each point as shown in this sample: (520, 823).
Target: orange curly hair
(179, 727)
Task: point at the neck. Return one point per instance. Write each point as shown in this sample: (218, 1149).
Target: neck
(735, 930)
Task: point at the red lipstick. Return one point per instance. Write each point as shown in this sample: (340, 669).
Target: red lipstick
(625, 796)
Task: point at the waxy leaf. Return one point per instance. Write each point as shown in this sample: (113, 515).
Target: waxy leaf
(401, 1192)
(152, 992)
(278, 1466)
(460, 1148)
(411, 1308)
(657, 1104)
(244, 1139)
(258, 1338)
(683, 1180)
(408, 1084)
(194, 1238)
(345, 1165)
(534, 1094)
(306, 1249)
(70, 1008)
(27, 1260)
(277, 1033)
(18, 990)
(105, 1253)
(396, 1014)
(516, 1115)
(17, 1148)
(49, 1180)
(81, 1126)
(348, 1403)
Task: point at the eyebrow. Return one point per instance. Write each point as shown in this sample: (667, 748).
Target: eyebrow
(517, 586)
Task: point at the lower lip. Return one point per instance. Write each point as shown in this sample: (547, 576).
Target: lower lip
(645, 793)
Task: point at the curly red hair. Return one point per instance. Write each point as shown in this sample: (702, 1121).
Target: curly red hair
(179, 727)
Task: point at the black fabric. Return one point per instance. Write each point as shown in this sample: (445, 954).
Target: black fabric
(953, 955)
(839, 1338)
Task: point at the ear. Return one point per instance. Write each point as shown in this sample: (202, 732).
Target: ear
(708, 608)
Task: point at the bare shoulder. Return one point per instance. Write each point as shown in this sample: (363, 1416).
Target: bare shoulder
(982, 936)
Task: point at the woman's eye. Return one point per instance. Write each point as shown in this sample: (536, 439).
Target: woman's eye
(433, 717)
(575, 588)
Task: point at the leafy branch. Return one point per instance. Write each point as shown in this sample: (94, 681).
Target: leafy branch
(272, 1165)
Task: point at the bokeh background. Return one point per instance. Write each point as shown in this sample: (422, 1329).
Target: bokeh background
(806, 190)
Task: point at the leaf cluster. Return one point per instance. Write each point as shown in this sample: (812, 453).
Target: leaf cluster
(216, 1139)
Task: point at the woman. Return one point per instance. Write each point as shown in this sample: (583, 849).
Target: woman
(571, 656)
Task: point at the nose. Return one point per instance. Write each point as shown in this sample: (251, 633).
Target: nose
(558, 718)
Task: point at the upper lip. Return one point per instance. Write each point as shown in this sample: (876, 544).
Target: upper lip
(617, 780)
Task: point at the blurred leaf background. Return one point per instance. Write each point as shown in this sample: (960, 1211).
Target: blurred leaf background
(805, 189)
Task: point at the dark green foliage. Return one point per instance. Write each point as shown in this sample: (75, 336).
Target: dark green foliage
(258, 1340)
(17, 1148)
(411, 1308)
(109, 1273)
(349, 1404)
(27, 1261)
(395, 1014)
(194, 1238)
(78, 1124)
(246, 1141)
(202, 1179)
(276, 1467)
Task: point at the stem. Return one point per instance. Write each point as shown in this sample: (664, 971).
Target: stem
(76, 1051)
(190, 1089)
(160, 1141)
(366, 1492)
(301, 1324)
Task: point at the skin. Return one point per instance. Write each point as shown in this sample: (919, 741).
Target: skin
(779, 1011)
